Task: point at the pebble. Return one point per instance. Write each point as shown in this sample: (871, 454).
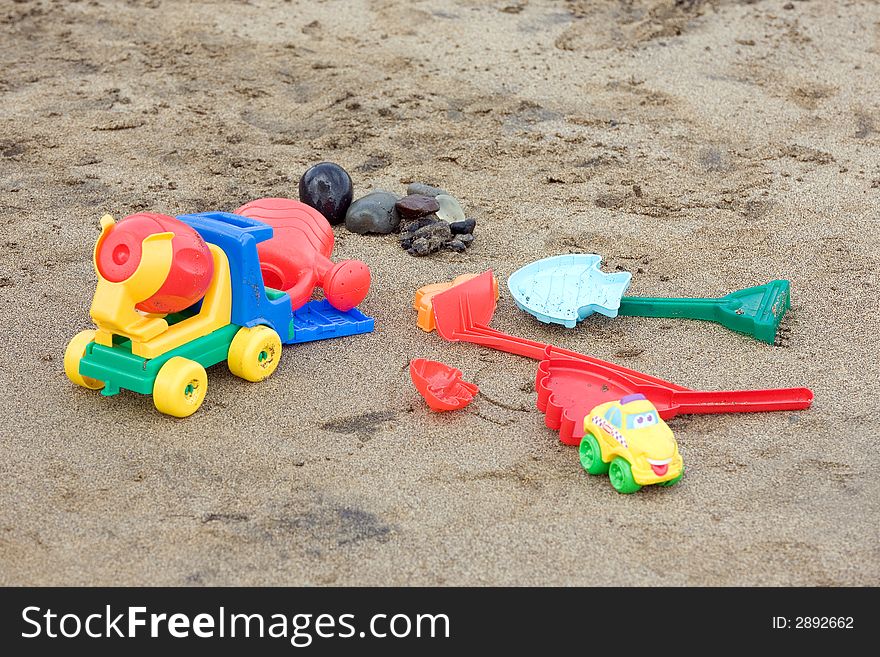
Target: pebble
(374, 213)
(465, 227)
(456, 245)
(408, 229)
(450, 209)
(411, 225)
(424, 190)
(421, 240)
(416, 205)
(327, 187)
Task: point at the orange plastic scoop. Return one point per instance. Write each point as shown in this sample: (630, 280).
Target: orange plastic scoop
(424, 300)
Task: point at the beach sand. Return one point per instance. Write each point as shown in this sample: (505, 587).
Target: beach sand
(702, 146)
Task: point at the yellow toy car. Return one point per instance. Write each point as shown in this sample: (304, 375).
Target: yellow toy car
(628, 440)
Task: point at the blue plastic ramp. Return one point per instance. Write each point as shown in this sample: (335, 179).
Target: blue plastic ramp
(318, 320)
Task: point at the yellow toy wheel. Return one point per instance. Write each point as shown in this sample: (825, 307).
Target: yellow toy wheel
(254, 353)
(180, 387)
(74, 353)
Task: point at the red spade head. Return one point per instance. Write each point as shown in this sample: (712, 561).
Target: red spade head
(464, 305)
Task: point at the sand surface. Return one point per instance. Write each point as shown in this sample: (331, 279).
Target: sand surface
(703, 146)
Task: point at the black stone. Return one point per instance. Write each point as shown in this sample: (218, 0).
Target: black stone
(465, 227)
(327, 187)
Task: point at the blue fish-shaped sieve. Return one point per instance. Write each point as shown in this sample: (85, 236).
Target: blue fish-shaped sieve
(565, 289)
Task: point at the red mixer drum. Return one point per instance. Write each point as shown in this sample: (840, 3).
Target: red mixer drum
(192, 266)
(297, 257)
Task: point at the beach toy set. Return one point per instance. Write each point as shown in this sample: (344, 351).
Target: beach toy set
(572, 386)
(178, 295)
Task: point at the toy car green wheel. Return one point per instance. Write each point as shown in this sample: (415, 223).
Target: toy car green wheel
(621, 476)
(674, 480)
(180, 387)
(591, 455)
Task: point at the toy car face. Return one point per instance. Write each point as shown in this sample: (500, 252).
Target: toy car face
(632, 429)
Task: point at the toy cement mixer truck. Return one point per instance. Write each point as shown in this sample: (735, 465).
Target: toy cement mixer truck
(177, 295)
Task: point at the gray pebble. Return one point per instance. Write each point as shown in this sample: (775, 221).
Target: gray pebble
(423, 190)
(412, 225)
(420, 247)
(456, 245)
(467, 239)
(426, 239)
(374, 213)
(450, 209)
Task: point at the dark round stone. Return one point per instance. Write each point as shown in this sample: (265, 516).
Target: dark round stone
(465, 227)
(416, 205)
(327, 187)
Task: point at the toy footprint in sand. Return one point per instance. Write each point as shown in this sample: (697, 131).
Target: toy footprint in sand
(568, 288)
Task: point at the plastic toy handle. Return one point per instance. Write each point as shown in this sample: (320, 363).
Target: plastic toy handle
(488, 337)
(742, 401)
(705, 309)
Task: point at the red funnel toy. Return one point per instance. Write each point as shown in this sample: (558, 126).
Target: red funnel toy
(570, 384)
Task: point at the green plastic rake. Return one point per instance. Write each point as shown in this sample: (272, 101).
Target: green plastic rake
(755, 311)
